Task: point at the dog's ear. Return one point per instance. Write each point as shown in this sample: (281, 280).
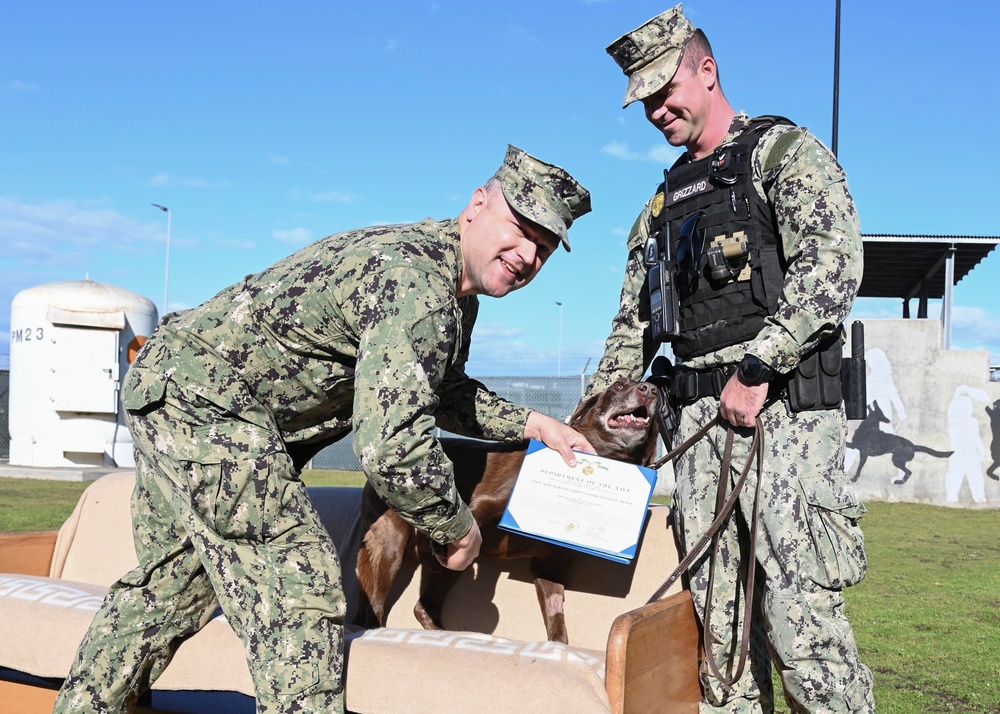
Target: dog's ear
(585, 404)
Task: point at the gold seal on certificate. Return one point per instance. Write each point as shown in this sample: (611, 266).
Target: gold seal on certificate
(597, 507)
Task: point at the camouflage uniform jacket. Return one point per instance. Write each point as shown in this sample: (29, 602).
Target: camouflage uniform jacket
(820, 236)
(359, 330)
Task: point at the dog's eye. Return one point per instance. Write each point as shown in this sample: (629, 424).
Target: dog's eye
(619, 386)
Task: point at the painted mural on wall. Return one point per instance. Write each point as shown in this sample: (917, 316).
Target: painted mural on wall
(994, 414)
(932, 430)
(874, 437)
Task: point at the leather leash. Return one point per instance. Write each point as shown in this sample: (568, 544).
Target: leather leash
(724, 505)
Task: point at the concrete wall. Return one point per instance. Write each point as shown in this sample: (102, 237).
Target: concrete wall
(929, 436)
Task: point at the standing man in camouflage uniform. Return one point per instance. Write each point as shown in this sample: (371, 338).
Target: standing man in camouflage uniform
(769, 259)
(367, 330)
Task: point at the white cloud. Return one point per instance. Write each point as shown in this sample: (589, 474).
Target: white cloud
(56, 241)
(18, 86)
(294, 236)
(277, 160)
(237, 244)
(662, 154)
(496, 331)
(59, 232)
(972, 327)
(876, 308)
(975, 328)
(391, 45)
(163, 180)
(331, 197)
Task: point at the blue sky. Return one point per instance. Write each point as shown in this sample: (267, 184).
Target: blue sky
(264, 126)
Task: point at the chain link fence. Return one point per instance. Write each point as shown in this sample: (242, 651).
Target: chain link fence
(555, 396)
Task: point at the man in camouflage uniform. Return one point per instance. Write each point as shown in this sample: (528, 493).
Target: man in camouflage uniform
(367, 330)
(809, 546)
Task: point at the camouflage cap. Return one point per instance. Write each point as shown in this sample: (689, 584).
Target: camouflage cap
(544, 193)
(651, 54)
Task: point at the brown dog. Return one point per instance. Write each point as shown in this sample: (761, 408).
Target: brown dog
(618, 423)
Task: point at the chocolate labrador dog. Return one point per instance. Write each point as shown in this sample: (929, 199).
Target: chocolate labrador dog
(618, 422)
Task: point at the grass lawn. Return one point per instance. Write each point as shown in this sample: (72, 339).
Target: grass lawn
(927, 617)
(35, 505)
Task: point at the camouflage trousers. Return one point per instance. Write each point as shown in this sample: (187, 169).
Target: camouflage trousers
(220, 518)
(809, 547)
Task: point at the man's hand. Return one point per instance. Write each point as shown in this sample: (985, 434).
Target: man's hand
(740, 403)
(463, 551)
(556, 435)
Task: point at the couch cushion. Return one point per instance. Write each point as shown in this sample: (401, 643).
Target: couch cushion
(95, 543)
(44, 620)
(416, 671)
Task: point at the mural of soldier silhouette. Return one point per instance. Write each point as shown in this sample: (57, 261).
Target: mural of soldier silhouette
(994, 414)
(869, 440)
(966, 466)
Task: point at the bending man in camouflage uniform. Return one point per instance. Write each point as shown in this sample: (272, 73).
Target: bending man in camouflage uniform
(367, 330)
(765, 313)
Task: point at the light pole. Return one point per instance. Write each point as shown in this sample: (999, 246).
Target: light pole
(559, 363)
(166, 278)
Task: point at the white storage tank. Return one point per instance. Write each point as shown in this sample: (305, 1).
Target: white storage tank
(71, 344)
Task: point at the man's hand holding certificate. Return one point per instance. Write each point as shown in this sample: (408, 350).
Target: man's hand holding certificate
(597, 507)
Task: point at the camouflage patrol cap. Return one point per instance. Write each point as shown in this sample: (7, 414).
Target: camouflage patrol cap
(544, 193)
(651, 54)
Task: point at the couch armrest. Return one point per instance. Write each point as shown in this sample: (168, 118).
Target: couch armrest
(27, 553)
(653, 655)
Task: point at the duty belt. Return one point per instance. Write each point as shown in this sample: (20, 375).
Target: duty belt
(689, 385)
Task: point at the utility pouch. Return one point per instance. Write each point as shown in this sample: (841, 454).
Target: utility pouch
(668, 413)
(816, 384)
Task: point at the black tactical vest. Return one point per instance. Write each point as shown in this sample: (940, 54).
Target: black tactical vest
(729, 267)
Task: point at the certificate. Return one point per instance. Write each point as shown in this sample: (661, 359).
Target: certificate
(598, 506)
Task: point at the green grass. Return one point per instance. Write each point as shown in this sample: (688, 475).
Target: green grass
(33, 505)
(927, 617)
(36, 505)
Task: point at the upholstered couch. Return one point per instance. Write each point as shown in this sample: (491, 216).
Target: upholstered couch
(623, 656)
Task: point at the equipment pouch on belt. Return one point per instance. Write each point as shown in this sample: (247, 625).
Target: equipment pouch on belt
(816, 384)
(668, 413)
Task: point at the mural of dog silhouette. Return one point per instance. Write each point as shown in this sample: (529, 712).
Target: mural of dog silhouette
(994, 413)
(869, 440)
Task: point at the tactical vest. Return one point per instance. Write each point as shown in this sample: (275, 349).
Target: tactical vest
(729, 267)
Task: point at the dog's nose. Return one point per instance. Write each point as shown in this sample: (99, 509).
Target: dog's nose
(645, 388)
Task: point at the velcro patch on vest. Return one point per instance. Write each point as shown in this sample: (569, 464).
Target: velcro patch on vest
(696, 187)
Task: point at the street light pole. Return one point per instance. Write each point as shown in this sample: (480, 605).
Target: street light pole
(559, 363)
(836, 81)
(166, 278)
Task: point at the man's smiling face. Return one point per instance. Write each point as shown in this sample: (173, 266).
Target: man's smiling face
(501, 250)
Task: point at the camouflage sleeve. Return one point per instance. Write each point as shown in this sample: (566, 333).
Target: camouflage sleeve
(407, 328)
(467, 406)
(628, 349)
(820, 235)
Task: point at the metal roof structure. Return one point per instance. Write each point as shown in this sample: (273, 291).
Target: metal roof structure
(921, 266)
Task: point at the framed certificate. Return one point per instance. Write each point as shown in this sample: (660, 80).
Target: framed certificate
(597, 507)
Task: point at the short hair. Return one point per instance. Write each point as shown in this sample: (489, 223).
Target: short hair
(696, 49)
